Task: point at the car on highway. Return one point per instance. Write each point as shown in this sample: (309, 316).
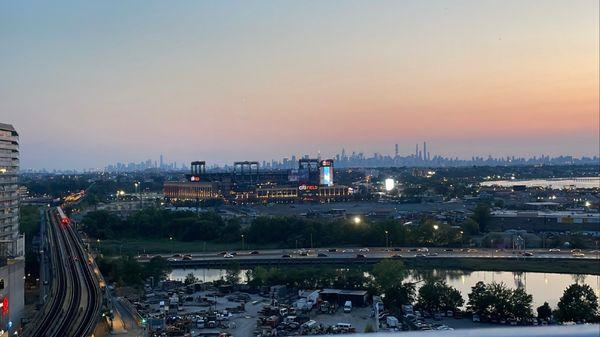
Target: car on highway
(471, 250)
(554, 250)
(332, 250)
(432, 254)
(187, 257)
(222, 253)
(228, 256)
(423, 250)
(176, 255)
(580, 254)
(286, 256)
(364, 250)
(322, 255)
(254, 252)
(360, 256)
(449, 250)
(396, 249)
(303, 253)
(348, 251)
(171, 259)
(527, 254)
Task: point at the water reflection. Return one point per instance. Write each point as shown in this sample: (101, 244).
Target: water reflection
(520, 279)
(547, 287)
(579, 278)
(448, 275)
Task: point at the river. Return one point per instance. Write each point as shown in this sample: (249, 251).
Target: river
(544, 287)
(554, 183)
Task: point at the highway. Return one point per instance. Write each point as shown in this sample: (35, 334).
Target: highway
(75, 299)
(359, 256)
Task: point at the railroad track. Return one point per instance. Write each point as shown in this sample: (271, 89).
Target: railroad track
(76, 298)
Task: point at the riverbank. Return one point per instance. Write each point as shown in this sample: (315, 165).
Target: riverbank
(563, 266)
(136, 247)
(540, 265)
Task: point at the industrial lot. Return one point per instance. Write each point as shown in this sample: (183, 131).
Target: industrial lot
(173, 309)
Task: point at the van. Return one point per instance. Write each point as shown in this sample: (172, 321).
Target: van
(348, 306)
(344, 325)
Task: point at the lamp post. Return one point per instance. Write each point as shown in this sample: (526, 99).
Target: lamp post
(387, 239)
(435, 229)
(137, 185)
(242, 241)
(171, 240)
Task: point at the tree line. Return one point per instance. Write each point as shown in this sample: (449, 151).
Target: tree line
(286, 232)
(154, 223)
(491, 301)
(128, 271)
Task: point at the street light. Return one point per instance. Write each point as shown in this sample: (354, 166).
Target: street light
(435, 228)
(137, 185)
(386, 239)
(357, 220)
(242, 241)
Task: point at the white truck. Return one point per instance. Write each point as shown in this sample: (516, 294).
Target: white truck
(392, 322)
(348, 306)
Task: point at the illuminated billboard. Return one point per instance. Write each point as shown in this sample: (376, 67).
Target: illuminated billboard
(326, 173)
(389, 184)
(327, 176)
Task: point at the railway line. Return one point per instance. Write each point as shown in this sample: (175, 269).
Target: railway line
(74, 305)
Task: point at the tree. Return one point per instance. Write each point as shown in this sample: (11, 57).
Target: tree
(470, 227)
(493, 300)
(520, 304)
(388, 273)
(232, 273)
(479, 302)
(544, 312)
(399, 294)
(190, 279)
(436, 295)
(578, 303)
(482, 215)
(157, 267)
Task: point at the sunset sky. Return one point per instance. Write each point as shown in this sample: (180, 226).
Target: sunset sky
(90, 83)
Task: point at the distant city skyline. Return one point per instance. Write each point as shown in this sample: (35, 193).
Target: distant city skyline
(90, 83)
(342, 159)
